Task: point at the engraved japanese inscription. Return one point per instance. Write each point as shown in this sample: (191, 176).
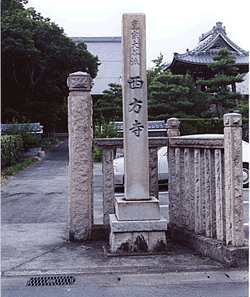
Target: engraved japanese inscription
(136, 105)
(135, 82)
(137, 128)
(135, 48)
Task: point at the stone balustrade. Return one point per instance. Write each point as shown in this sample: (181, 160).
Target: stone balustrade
(107, 144)
(205, 174)
(199, 201)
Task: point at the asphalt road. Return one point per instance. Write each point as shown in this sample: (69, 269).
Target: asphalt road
(140, 289)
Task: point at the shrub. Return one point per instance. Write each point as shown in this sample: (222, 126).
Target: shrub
(103, 130)
(203, 126)
(49, 141)
(22, 165)
(97, 154)
(25, 131)
(11, 149)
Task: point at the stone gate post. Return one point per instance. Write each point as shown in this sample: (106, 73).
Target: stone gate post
(137, 225)
(233, 179)
(80, 156)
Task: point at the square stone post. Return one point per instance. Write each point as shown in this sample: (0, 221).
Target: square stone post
(137, 225)
(233, 179)
(80, 156)
(135, 110)
(173, 131)
(108, 191)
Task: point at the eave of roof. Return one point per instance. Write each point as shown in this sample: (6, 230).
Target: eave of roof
(202, 54)
(206, 57)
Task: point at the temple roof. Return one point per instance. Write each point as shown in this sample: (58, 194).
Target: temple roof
(208, 46)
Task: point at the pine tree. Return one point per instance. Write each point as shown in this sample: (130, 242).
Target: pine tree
(173, 95)
(225, 74)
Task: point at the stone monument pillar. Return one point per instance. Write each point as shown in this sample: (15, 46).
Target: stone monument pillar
(233, 179)
(137, 225)
(80, 156)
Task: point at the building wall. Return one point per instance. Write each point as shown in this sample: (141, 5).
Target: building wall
(108, 49)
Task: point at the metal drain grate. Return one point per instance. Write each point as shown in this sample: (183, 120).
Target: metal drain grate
(51, 281)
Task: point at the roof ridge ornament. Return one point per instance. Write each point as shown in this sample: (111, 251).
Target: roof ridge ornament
(214, 31)
(219, 29)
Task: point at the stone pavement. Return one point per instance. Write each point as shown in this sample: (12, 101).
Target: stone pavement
(35, 236)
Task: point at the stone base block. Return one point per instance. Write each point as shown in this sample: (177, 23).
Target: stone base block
(210, 247)
(137, 210)
(137, 236)
(165, 212)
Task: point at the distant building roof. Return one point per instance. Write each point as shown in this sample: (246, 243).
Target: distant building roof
(197, 59)
(152, 126)
(32, 127)
(108, 50)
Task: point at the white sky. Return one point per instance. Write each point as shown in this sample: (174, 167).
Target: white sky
(171, 26)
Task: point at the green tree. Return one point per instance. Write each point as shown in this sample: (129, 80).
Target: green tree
(37, 58)
(153, 72)
(109, 106)
(225, 74)
(173, 95)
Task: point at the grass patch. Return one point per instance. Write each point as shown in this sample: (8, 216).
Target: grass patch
(20, 166)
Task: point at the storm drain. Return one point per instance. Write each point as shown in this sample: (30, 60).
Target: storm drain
(51, 281)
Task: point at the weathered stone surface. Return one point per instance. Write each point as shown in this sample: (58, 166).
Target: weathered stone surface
(198, 193)
(153, 172)
(232, 120)
(108, 185)
(137, 210)
(153, 142)
(137, 214)
(188, 196)
(219, 195)
(210, 247)
(80, 162)
(121, 242)
(79, 81)
(172, 186)
(157, 241)
(173, 125)
(233, 179)
(196, 142)
(135, 107)
(164, 210)
(138, 242)
(137, 226)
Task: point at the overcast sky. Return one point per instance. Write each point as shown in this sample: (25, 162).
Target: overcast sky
(171, 26)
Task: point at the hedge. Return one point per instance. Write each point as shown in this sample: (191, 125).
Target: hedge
(11, 149)
(203, 126)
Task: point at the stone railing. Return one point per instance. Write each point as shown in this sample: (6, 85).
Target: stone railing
(107, 144)
(205, 188)
(205, 174)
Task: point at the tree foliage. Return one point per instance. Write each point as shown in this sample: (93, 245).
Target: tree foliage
(174, 95)
(225, 74)
(109, 106)
(37, 58)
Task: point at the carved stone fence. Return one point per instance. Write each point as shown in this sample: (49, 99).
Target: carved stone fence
(107, 144)
(205, 189)
(205, 180)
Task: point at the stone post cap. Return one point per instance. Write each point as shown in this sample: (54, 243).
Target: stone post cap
(173, 123)
(79, 81)
(232, 120)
